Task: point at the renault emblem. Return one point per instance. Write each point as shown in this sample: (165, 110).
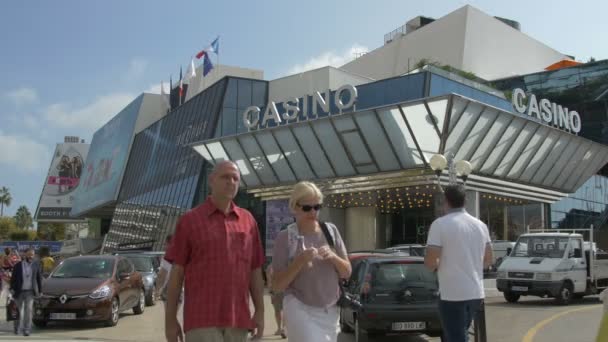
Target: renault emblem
(408, 293)
(63, 298)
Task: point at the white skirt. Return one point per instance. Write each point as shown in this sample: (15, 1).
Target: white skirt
(306, 323)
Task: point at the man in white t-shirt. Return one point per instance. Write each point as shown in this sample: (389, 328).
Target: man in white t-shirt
(458, 248)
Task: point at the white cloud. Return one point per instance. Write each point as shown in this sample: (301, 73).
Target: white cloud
(22, 153)
(155, 88)
(91, 116)
(23, 96)
(329, 58)
(137, 67)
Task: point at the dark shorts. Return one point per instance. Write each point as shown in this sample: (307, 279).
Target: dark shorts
(456, 318)
(277, 300)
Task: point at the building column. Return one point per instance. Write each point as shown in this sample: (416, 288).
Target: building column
(472, 203)
(335, 216)
(361, 228)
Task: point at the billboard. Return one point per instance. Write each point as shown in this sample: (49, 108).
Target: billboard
(61, 183)
(21, 246)
(278, 217)
(106, 161)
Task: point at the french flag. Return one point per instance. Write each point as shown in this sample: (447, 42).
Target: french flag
(214, 47)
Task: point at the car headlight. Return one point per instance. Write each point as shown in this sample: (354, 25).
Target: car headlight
(501, 274)
(101, 292)
(543, 276)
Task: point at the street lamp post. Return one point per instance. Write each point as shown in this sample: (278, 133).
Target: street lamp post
(460, 168)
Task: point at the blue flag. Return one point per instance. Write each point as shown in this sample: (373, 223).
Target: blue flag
(207, 65)
(215, 45)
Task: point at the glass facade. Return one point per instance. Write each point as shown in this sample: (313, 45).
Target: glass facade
(587, 206)
(582, 88)
(165, 177)
(507, 217)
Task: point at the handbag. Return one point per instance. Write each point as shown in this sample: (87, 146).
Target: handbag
(346, 300)
(12, 312)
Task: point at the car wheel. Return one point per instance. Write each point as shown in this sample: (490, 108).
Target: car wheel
(151, 298)
(360, 334)
(141, 303)
(511, 297)
(39, 323)
(564, 297)
(114, 313)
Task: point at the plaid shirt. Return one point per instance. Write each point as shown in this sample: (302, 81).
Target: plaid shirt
(218, 252)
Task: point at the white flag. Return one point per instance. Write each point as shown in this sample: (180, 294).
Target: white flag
(190, 73)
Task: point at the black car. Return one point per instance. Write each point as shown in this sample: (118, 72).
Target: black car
(399, 295)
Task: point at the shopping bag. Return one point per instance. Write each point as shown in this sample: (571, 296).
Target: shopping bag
(12, 312)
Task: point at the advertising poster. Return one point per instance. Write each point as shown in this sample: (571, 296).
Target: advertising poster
(21, 246)
(278, 217)
(106, 161)
(62, 181)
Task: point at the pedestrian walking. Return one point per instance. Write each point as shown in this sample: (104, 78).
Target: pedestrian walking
(26, 284)
(308, 269)
(217, 253)
(6, 269)
(47, 261)
(276, 298)
(163, 275)
(458, 248)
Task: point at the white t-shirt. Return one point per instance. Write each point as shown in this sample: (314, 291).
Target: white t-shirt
(463, 240)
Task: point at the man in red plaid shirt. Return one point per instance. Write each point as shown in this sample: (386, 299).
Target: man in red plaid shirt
(217, 251)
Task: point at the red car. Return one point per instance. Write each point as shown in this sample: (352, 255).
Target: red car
(94, 288)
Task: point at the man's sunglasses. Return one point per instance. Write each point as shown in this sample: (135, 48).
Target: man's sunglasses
(307, 208)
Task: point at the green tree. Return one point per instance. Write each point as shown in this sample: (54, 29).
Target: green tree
(23, 218)
(51, 231)
(19, 235)
(5, 199)
(7, 225)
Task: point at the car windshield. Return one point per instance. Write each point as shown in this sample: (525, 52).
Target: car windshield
(142, 264)
(84, 268)
(540, 247)
(389, 276)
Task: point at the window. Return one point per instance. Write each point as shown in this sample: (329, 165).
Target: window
(85, 268)
(229, 121)
(244, 95)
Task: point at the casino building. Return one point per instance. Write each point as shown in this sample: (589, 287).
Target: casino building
(369, 134)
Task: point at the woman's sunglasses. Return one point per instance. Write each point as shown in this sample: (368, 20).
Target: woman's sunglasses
(307, 208)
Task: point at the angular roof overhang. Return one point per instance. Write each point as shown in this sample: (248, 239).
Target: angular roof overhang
(390, 146)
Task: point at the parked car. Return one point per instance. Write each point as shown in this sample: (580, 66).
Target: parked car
(95, 288)
(399, 295)
(146, 264)
(411, 249)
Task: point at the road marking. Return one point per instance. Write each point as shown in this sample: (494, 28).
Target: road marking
(529, 337)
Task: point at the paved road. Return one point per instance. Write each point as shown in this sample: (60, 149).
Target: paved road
(506, 323)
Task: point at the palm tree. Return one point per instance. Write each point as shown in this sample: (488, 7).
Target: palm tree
(23, 218)
(5, 199)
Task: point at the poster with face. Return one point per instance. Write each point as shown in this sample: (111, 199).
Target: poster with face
(278, 216)
(62, 181)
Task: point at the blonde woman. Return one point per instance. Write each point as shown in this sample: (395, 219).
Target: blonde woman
(308, 270)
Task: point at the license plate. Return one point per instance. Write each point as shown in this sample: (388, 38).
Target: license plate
(63, 315)
(407, 326)
(519, 288)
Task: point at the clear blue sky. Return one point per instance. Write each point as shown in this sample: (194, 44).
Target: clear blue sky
(67, 66)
